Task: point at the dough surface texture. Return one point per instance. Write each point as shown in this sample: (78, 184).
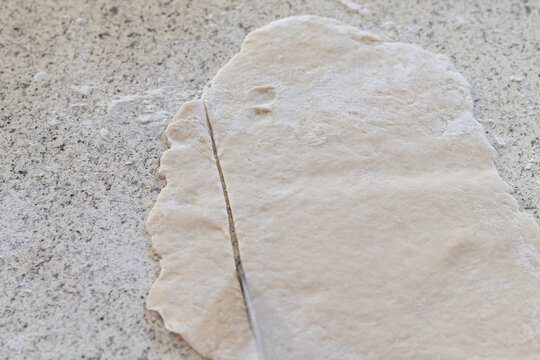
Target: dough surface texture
(371, 220)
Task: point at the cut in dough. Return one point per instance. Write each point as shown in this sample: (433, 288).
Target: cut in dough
(197, 292)
(371, 220)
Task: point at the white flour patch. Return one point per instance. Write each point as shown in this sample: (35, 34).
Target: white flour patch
(487, 121)
(150, 107)
(500, 141)
(42, 77)
(356, 7)
(515, 78)
(389, 25)
(127, 99)
(83, 89)
(461, 21)
(104, 133)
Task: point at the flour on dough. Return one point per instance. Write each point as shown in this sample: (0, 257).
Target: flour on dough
(371, 220)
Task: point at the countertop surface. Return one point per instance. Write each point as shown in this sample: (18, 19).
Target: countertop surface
(86, 91)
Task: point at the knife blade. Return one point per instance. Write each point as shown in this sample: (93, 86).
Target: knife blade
(259, 344)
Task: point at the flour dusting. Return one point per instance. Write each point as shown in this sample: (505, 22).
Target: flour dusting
(356, 7)
(83, 89)
(42, 77)
(154, 107)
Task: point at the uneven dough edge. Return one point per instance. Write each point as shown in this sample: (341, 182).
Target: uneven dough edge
(197, 293)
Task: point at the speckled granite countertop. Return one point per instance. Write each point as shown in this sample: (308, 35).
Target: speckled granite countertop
(86, 90)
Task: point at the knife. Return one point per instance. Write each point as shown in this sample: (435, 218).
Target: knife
(259, 344)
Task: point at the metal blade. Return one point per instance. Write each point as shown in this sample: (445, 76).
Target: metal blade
(259, 344)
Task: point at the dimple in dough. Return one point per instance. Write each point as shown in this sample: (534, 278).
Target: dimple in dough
(371, 220)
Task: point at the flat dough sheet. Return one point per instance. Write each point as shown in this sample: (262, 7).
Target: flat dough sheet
(371, 220)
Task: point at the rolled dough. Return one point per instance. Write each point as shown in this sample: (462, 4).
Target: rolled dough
(371, 220)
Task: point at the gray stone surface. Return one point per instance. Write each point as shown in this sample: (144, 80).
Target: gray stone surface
(86, 90)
